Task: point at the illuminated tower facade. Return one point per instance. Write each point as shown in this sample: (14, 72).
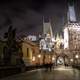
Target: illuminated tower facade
(47, 42)
(72, 29)
(47, 28)
(66, 38)
(71, 15)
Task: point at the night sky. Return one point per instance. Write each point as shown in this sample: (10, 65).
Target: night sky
(27, 16)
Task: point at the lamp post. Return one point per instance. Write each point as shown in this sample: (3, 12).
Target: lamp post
(72, 61)
(33, 59)
(39, 56)
(77, 56)
(53, 58)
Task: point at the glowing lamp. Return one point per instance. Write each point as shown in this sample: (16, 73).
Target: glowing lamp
(71, 60)
(33, 59)
(76, 56)
(53, 58)
(39, 56)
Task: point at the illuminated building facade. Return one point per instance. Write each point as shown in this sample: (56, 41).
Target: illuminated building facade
(72, 29)
(49, 48)
(50, 45)
(47, 42)
(30, 52)
(72, 36)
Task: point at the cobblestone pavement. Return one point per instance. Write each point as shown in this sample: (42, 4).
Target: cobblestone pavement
(58, 73)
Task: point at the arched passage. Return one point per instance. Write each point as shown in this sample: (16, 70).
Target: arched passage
(62, 60)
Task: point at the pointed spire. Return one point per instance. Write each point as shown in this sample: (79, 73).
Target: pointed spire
(71, 15)
(47, 29)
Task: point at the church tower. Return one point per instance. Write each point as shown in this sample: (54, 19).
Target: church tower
(47, 28)
(71, 15)
(71, 19)
(48, 40)
(72, 29)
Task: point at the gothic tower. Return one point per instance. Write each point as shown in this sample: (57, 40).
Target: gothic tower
(71, 15)
(71, 19)
(72, 29)
(47, 29)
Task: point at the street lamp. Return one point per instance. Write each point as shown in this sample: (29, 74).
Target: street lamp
(33, 59)
(71, 60)
(77, 56)
(39, 56)
(53, 58)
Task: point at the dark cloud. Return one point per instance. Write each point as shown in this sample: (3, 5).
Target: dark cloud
(27, 16)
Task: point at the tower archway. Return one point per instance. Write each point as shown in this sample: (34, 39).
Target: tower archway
(62, 60)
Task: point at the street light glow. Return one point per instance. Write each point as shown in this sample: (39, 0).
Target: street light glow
(39, 56)
(77, 56)
(71, 60)
(53, 58)
(33, 59)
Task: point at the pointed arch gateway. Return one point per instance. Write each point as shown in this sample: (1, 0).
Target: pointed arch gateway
(62, 59)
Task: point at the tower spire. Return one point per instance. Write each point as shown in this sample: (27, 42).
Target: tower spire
(47, 29)
(71, 15)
